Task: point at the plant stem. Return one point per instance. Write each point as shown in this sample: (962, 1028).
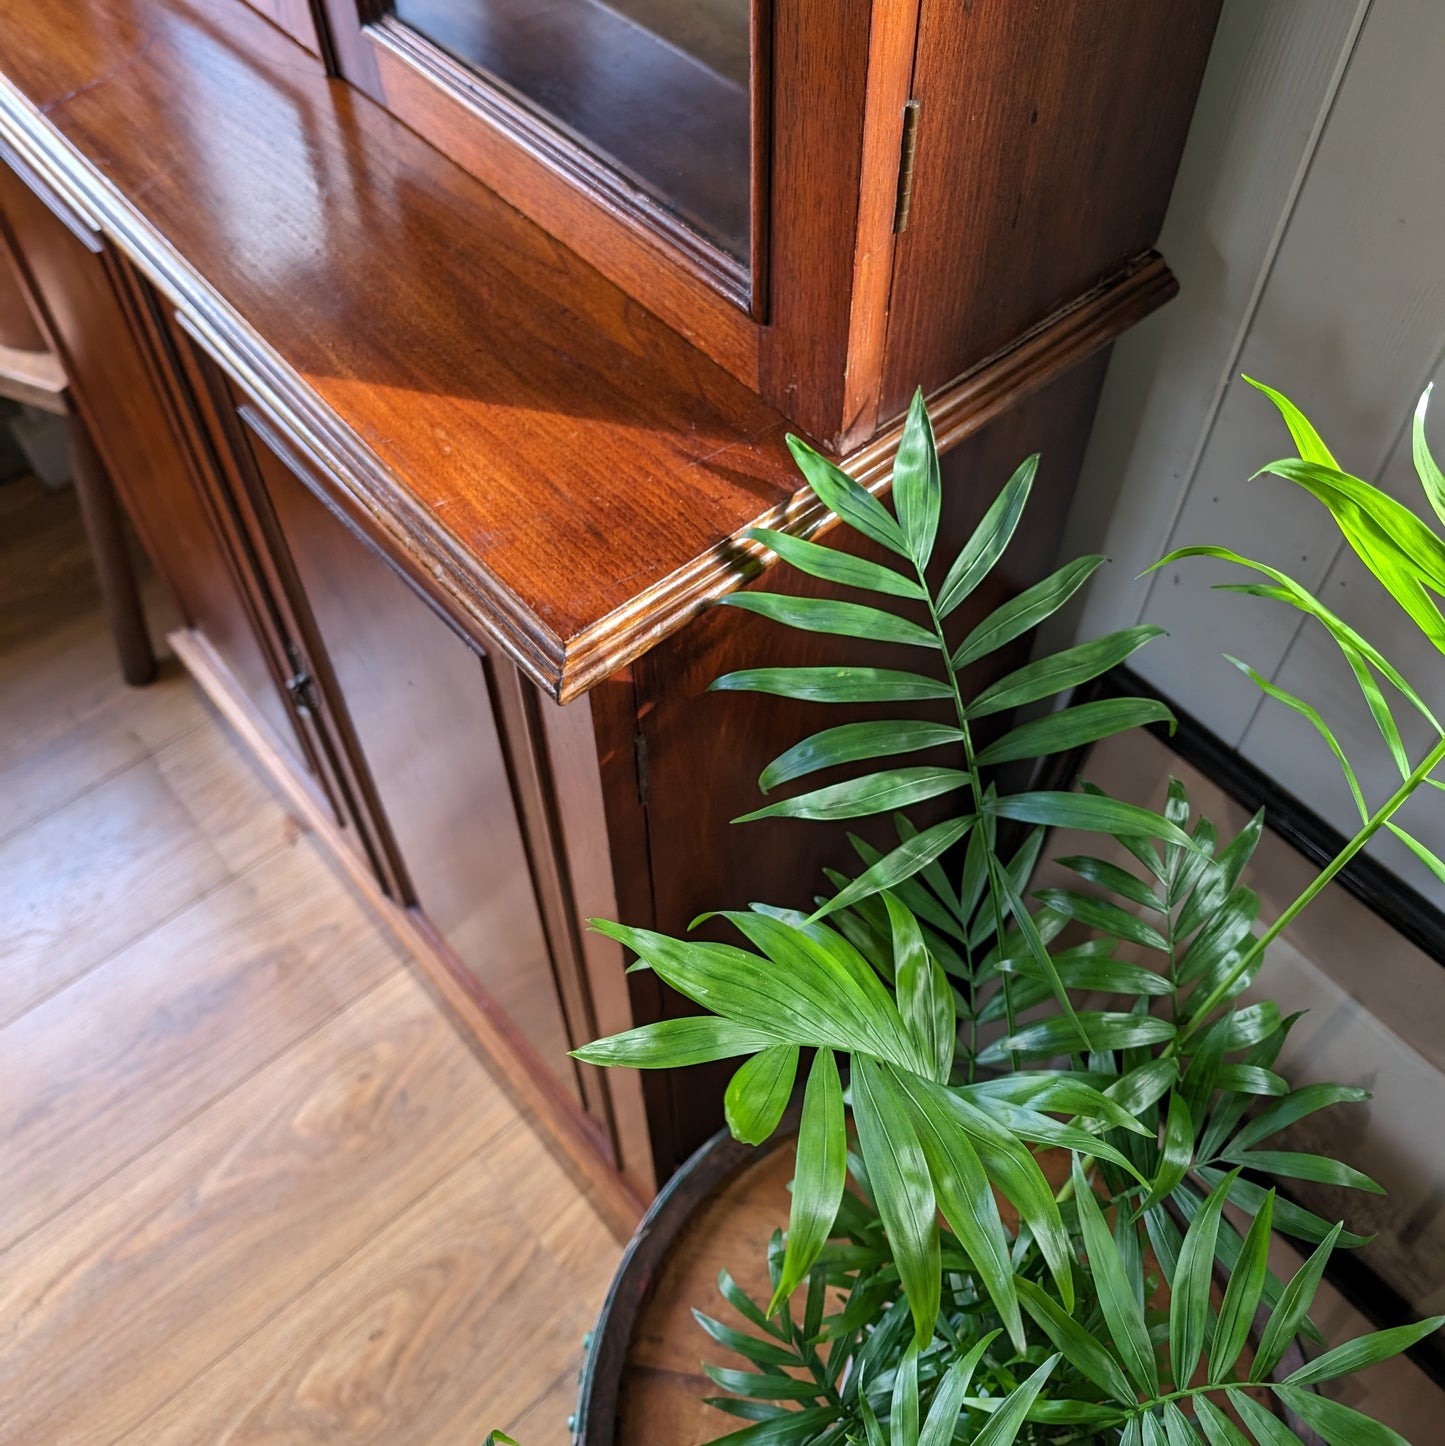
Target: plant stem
(1368, 830)
(976, 789)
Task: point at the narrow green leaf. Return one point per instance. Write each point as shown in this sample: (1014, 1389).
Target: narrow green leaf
(1294, 1107)
(833, 565)
(805, 1007)
(818, 962)
(1312, 714)
(1242, 1295)
(1293, 1307)
(1292, 1165)
(1426, 468)
(1060, 1036)
(1263, 1424)
(1288, 1218)
(1189, 1301)
(1311, 448)
(1366, 1350)
(1100, 914)
(1105, 875)
(1338, 1423)
(1060, 1093)
(925, 997)
(1176, 1155)
(902, 1190)
(834, 685)
(1250, 1079)
(1144, 1085)
(1123, 1312)
(1075, 727)
(820, 1175)
(1029, 608)
(1300, 598)
(838, 492)
(795, 1428)
(1107, 976)
(758, 1093)
(672, 1043)
(825, 615)
(852, 742)
(903, 1417)
(1006, 888)
(1083, 1350)
(1089, 812)
(1379, 708)
(1012, 1167)
(1177, 1427)
(938, 1429)
(917, 492)
(749, 1410)
(1003, 1428)
(751, 1348)
(880, 792)
(984, 548)
(1220, 1430)
(961, 1187)
(1229, 924)
(1042, 1129)
(1366, 513)
(1045, 677)
(1432, 861)
(762, 1385)
(909, 858)
(744, 1304)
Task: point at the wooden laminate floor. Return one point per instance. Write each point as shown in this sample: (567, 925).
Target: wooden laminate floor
(253, 1186)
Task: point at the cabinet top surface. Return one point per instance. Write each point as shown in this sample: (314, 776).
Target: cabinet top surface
(550, 458)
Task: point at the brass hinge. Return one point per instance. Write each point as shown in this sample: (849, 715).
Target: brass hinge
(905, 167)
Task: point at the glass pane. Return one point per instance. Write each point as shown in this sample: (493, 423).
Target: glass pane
(656, 88)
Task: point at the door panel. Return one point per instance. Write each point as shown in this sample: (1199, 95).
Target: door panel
(418, 701)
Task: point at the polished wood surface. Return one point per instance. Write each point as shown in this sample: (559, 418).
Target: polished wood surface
(257, 1186)
(565, 471)
(417, 698)
(1039, 122)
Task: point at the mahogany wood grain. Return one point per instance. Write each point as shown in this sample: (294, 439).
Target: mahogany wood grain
(500, 414)
(1037, 123)
(590, 763)
(109, 546)
(418, 701)
(704, 750)
(297, 18)
(18, 329)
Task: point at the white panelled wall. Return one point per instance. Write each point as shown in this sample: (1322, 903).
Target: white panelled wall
(1308, 233)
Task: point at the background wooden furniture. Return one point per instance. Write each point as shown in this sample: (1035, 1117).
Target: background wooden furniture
(444, 461)
(31, 373)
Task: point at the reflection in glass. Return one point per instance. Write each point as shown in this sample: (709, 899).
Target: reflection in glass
(656, 88)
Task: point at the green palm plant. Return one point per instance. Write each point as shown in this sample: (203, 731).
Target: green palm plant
(944, 993)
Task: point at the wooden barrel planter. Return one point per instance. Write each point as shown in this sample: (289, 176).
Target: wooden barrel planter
(642, 1383)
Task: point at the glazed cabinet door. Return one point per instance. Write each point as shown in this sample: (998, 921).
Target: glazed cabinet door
(419, 707)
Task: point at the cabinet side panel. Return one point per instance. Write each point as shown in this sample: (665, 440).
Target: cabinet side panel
(705, 750)
(1048, 138)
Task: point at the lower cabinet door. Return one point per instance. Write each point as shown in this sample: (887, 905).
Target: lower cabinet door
(418, 702)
